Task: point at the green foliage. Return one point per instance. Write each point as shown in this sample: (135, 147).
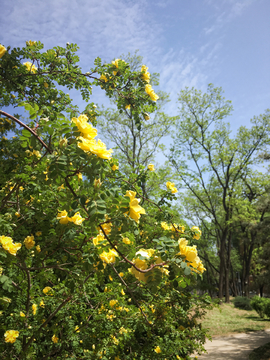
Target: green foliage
(261, 306)
(242, 303)
(84, 272)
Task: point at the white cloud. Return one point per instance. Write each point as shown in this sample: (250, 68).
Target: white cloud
(100, 27)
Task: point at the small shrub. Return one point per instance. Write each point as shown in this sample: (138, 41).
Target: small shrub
(242, 303)
(258, 304)
(267, 308)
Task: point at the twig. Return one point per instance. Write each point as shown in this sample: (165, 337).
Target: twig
(26, 127)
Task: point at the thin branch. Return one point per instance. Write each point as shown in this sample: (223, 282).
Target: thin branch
(26, 127)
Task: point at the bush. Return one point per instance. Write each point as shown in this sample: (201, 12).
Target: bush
(242, 303)
(259, 304)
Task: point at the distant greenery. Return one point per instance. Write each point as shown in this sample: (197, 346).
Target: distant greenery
(242, 303)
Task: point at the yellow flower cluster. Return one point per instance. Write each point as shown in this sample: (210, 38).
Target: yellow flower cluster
(108, 257)
(196, 232)
(30, 67)
(115, 63)
(145, 74)
(64, 219)
(29, 242)
(115, 167)
(87, 142)
(173, 227)
(135, 210)
(8, 245)
(30, 43)
(126, 241)
(142, 264)
(47, 291)
(151, 167)
(35, 153)
(11, 336)
(34, 308)
(55, 339)
(157, 350)
(190, 253)
(151, 93)
(2, 50)
(171, 186)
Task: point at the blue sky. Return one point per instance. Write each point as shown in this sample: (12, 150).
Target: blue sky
(189, 42)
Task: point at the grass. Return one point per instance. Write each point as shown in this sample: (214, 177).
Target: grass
(229, 320)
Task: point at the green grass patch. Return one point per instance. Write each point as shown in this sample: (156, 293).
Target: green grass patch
(229, 320)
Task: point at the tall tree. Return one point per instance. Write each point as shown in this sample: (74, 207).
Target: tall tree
(136, 147)
(210, 164)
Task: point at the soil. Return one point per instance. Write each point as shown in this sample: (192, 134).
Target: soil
(234, 347)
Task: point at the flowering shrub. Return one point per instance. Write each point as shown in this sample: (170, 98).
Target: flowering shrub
(100, 279)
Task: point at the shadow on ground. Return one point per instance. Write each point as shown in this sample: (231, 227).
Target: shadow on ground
(234, 347)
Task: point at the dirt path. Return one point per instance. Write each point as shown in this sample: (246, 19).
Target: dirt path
(234, 347)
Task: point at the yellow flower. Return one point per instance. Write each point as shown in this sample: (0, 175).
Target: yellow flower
(127, 106)
(8, 245)
(112, 303)
(108, 257)
(114, 167)
(150, 92)
(95, 147)
(46, 85)
(103, 77)
(164, 225)
(135, 210)
(79, 176)
(115, 340)
(36, 153)
(115, 62)
(146, 116)
(197, 232)
(121, 274)
(63, 142)
(126, 241)
(22, 314)
(157, 350)
(62, 216)
(38, 248)
(30, 67)
(42, 304)
(77, 329)
(17, 214)
(34, 308)
(110, 277)
(122, 292)
(76, 219)
(30, 43)
(11, 336)
(171, 186)
(99, 238)
(146, 74)
(2, 50)
(97, 183)
(55, 339)
(29, 242)
(38, 233)
(87, 130)
(47, 290)
(142, 263)
(151, 167)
